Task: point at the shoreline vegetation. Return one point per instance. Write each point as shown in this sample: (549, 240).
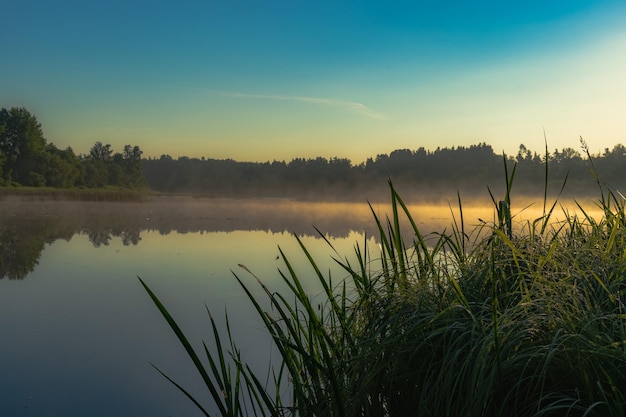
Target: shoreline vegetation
(507, 318)
(27, 159)
(419, 175)
(76, 194)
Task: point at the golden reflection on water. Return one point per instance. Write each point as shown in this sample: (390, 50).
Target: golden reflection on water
(41, 222)
(187, 214)
(215, 225)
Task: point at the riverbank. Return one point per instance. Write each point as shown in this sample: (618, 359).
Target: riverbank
(76, 194)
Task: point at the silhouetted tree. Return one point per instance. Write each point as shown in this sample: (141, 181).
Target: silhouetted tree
(22, 145)
(100, 152)
(62, 168)
(441, 171)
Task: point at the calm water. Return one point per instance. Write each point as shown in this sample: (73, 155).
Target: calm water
(78, 331)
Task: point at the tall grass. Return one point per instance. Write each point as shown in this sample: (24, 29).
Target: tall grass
(509, 318)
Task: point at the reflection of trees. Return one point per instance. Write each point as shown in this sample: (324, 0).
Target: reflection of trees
(19, 254)
(99, 237)
(130, 237)
(102, 236)
(22, 239)
(26, 227)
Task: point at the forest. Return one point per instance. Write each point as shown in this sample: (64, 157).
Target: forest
(420, 174)
(27, 159)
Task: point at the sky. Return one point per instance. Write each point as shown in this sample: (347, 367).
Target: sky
(271, 80)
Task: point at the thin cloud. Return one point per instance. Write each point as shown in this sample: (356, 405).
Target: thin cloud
(350, 105)
(125, 130)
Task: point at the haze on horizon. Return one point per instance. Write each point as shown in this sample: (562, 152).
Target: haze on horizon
(277, 80)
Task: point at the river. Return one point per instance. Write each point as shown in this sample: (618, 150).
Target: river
(79, 333)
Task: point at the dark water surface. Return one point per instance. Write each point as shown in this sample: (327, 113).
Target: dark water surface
(78, 333)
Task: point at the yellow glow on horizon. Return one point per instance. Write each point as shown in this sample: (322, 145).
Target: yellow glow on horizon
(504, 103)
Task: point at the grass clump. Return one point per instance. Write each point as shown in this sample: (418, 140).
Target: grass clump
(506, 319)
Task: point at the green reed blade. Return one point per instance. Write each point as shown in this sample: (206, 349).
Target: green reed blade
(189, 349)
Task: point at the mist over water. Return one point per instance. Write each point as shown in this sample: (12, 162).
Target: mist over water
(28, 225)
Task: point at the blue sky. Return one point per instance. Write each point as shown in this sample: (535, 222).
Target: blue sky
(265, 80)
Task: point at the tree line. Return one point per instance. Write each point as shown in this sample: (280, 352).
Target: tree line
(27, 159)
(419, 173)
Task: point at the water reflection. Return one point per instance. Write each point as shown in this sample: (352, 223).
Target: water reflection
(27, 226)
